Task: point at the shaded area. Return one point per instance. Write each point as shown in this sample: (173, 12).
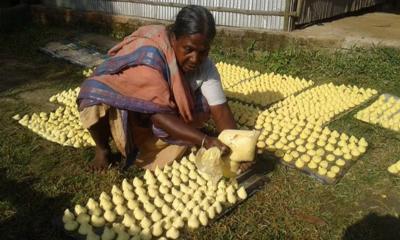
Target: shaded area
(374, 227)
(33, 210)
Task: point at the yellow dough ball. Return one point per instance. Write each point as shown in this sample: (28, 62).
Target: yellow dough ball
(312, 165)
(340, 162)
(299, 163)
(335, 169)
(305, 158)
(287, 157)
(323, 164)
(322, 171)
(331, 174)
(330, 157)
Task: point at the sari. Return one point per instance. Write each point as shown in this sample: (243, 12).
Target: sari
(141, 76)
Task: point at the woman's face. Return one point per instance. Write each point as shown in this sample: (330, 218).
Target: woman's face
(190, 51)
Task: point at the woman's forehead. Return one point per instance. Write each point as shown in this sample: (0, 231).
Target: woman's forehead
(197, 40)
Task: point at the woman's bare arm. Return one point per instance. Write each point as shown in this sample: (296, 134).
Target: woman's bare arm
(223, 117)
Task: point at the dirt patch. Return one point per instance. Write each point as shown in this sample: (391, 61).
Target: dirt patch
(39, 97)
(13, 72)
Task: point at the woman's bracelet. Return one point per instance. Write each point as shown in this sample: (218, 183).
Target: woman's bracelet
(202, 141)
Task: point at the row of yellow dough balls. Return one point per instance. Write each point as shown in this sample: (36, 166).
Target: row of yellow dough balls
(232, 74)
(244, 114)
(155, 216)
(384, 112)
(267, 88)
(62, 126)
(316, 108)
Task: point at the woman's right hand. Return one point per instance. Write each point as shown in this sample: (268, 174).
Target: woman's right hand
(215, 142)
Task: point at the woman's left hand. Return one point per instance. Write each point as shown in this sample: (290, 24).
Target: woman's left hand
(215, 142)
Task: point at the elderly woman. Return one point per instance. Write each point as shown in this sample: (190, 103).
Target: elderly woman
(154, 93)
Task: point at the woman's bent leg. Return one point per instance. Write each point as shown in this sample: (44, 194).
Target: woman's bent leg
(101, 133)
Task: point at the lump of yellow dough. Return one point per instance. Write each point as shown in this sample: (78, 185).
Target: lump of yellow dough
(316, 159)
(120, 210)
(137, 182)
(242, 194)
(71, 225)
(138, 214)
(172, 233)
(363, 142)
(140, 191)
(85, 228)
(104, 196)
(97, 221)
(241, 142)
(305, 158)
(92, 236)
(92, 204)
(393, 169)
(108, 234)
(321, 143)
(331, 174)
(115, 190)
(165, 210)
(335, 169)
(156, 216)
(134, 230)
(168, 198)
(79, 209)
(330, 157)
(118, 199)
(203, 219)
(322, 171)
(231, 198)
(312, 165)
(96, 212)
(145, 222)
(340, 162)
(193, 222)
(110, 216)
(299, 163)
(122, 236)
(178, 222)
(128, 194)
(347, 156)
(287, 157)
(132, 204)
(329, 147)
(323, 164)
(354, 152)
(128, 220)
(148, 207)
(145, 234)
(106, 204)
(83, 218)
(126, 185)
(157, 229)
(68, 216)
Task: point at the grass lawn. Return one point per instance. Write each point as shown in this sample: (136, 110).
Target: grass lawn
(39, 179)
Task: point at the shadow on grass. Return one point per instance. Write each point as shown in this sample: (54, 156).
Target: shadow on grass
(374, 227)
(34, 211)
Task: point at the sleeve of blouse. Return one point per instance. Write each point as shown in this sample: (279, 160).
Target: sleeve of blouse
(211, 88)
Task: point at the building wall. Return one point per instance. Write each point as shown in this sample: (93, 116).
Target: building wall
(132, 8)
(316, 10)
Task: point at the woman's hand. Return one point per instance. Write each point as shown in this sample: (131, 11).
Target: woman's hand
(215, 142)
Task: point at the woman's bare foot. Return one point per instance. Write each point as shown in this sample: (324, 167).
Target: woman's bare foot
(101, 160)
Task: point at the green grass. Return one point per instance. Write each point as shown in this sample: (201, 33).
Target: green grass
(39, 179)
